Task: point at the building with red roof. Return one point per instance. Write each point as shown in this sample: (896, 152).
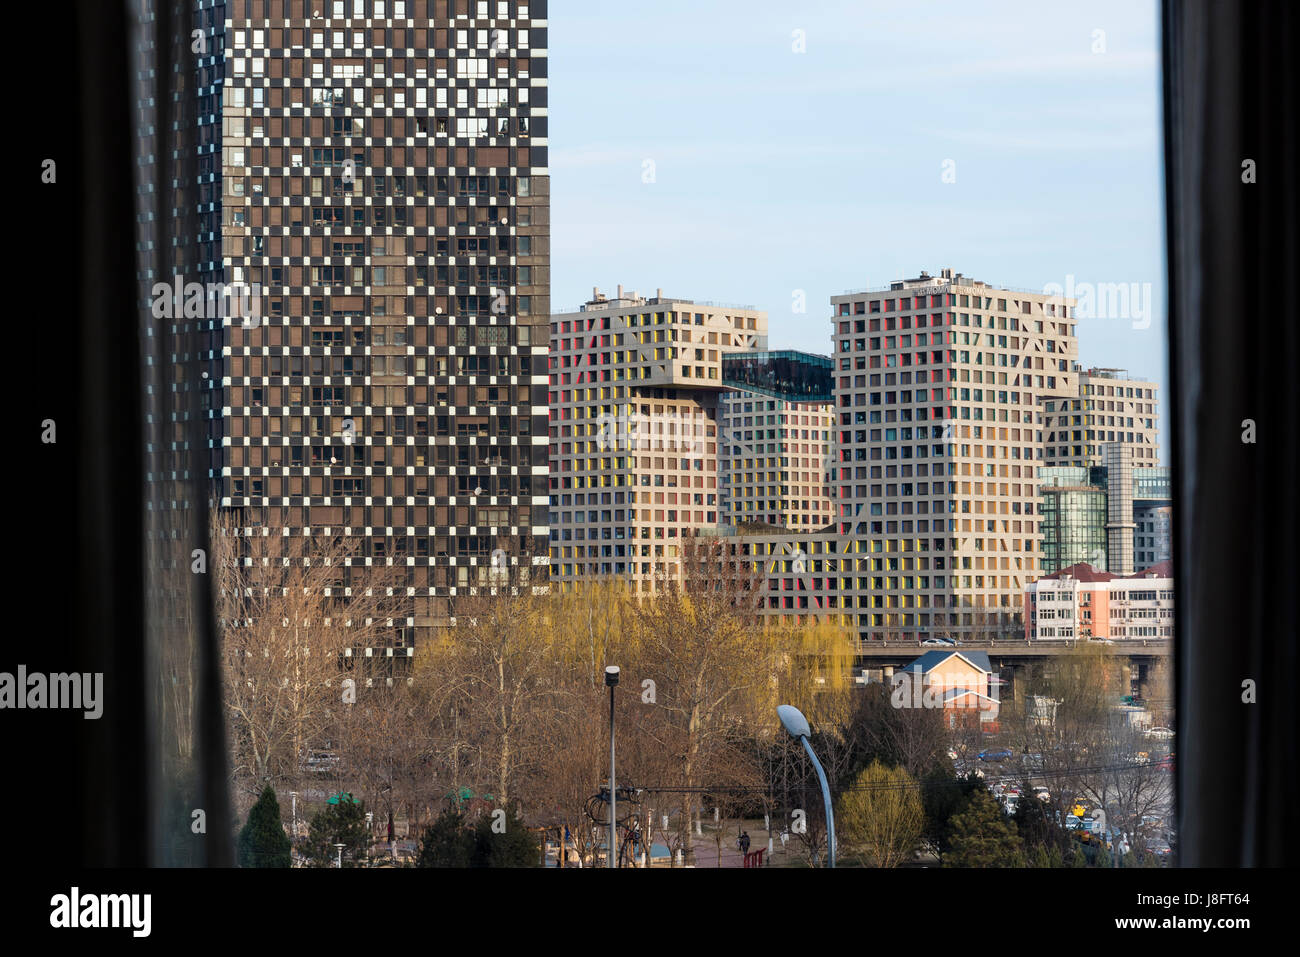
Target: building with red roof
(1080, 602)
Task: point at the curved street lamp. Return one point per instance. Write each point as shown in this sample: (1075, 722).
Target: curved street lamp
(796, 725)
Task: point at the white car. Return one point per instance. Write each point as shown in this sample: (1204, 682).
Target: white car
(1042, 793)
(1162, 733)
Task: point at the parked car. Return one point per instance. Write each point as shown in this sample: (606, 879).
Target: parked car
(1161, 849)
(936, 641)
(995, 754)
(1090, 829)
(1162, 733)
(321, 762)
(1042, 793)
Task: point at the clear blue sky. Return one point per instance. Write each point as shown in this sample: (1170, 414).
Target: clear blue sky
(822, 171)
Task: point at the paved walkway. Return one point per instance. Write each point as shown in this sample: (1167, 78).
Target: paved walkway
(706, 852)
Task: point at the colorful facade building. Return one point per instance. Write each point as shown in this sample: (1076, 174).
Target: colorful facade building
(1082, 603)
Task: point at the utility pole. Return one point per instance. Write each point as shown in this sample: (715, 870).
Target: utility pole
(611, 680)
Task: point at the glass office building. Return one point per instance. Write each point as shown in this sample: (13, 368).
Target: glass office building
(1074, 503)
(1073, 524)
(797, 376)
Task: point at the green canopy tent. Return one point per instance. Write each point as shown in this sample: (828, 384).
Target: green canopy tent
(466, 794)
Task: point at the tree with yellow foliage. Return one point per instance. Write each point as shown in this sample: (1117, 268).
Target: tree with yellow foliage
(882, 815)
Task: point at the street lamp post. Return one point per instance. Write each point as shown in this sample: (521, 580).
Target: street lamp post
(340, 847)
(611, 679)
(796, 725)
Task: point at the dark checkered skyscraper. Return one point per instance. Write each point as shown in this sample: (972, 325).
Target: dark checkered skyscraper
(379, 170)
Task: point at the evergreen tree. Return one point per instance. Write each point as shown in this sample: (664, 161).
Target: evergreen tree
(343, 823)
(1037, 827)
(447, 842)
(262, 841)
(494, 841)
(943, 794)
(1044, 856)
(983, 837)
(515, 846)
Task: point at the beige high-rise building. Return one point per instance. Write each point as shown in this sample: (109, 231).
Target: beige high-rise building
(1110, 406)
(939, 385)
(635, 387)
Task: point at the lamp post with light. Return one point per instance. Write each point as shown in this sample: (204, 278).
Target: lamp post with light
(796, 725)
(611, 680)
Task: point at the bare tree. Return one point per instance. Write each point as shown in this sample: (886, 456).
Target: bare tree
(287, 608)
(1075, 739)
(493, 664)
(384, 744)
(1123, 781)
(1058, 726)
(714, 666)
(1158, 692)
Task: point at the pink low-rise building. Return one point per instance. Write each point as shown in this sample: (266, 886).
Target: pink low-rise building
(960, 683)
(1082, 602)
